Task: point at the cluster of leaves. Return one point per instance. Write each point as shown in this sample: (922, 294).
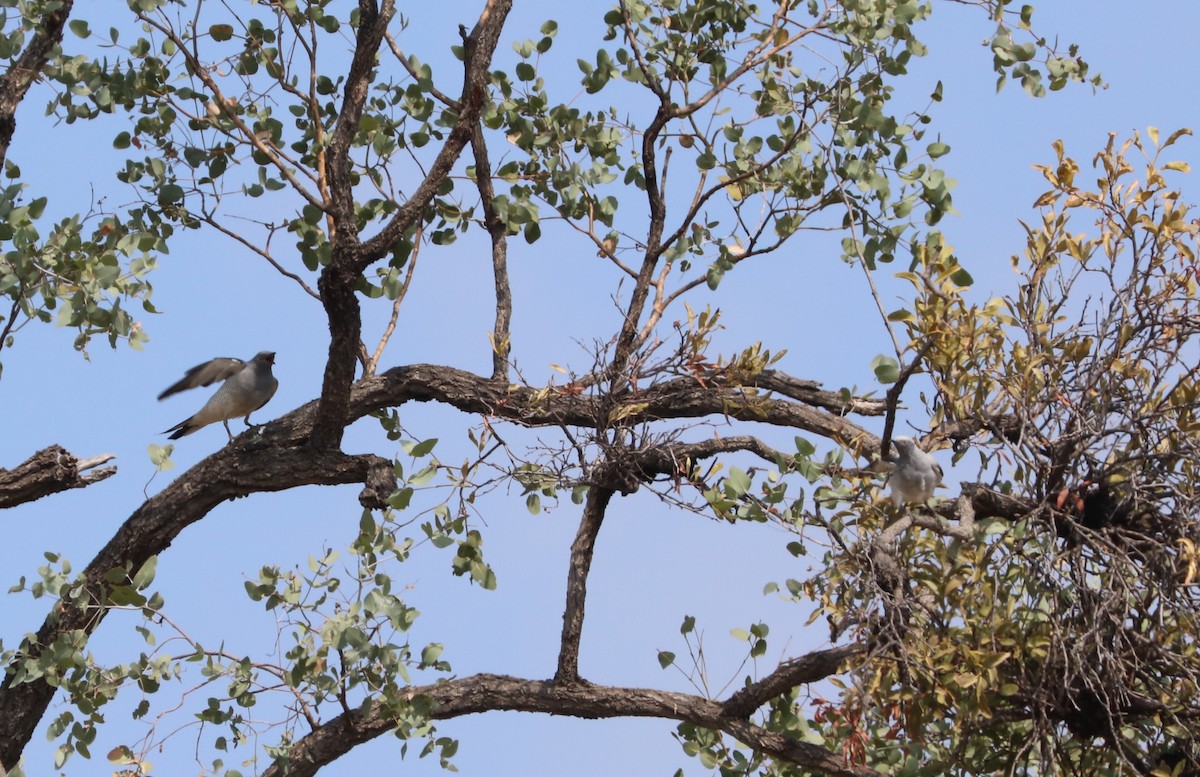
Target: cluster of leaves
(784, 123)
(1070, 621)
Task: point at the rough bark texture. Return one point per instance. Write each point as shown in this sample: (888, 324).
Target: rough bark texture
(49, 471)
(26, 69)
(487, 692)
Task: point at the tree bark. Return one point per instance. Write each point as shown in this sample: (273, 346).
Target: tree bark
(487, 692)
(15, 83)
(49, 471)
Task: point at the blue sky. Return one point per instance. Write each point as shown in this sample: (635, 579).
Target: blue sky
(653, 566)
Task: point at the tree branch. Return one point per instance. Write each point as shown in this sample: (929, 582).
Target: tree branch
(350, 256)
(582, 550)
(501, 337)
(339, 279)
(479, 47)
(487, 692)
(25, 70)
(270, 458)
(49, 471)
(673, 399)
(808, 668)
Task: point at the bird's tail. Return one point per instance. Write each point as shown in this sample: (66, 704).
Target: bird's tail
(182, 429)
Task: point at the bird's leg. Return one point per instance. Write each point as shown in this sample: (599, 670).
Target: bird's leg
(227, 431)
(248, 424)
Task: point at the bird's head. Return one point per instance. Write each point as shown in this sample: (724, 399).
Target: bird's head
(265, 357)
(904, 445)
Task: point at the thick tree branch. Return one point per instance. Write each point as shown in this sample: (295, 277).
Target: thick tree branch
(49, 471)
(257, 461)
(487, 692)
(25, 70)
(673, 399)
(339, 279)
(351, 256)
(275, 457)
(582, 550)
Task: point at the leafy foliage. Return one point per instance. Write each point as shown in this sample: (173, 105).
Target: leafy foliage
(1042, 622)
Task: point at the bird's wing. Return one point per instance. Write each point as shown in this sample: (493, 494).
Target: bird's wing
(205, 375)
(268, 393)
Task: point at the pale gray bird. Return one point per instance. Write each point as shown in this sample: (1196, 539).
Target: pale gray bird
(916, 474)
(247, 387)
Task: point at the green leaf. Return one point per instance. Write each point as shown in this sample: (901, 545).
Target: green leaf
(887, 370)
(170, 193)
(665, 658)
(738, 482)
(431, 653)
(221, 32)
(962, 277)
(533, 503)
(422, 448)
(937, 149)
(160, 456)
(80, 28)
(145, 575)
(401, 498)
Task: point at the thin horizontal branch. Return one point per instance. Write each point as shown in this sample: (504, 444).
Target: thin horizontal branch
(487, 692)
(810, 393)
(50, 471)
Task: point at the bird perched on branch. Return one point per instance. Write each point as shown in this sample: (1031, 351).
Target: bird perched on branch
(247, 387)
(916, 473)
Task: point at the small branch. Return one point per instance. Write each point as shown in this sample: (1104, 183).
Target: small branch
(263, 252)
(286, 171)
(501, 336)
(897, 388)
(797, 671)
(18, 295)
(372, 363)
(444, 99)
(50, 471)
(582, 550)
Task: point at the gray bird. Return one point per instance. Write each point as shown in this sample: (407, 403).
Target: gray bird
(916, 474)
(247, 387)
